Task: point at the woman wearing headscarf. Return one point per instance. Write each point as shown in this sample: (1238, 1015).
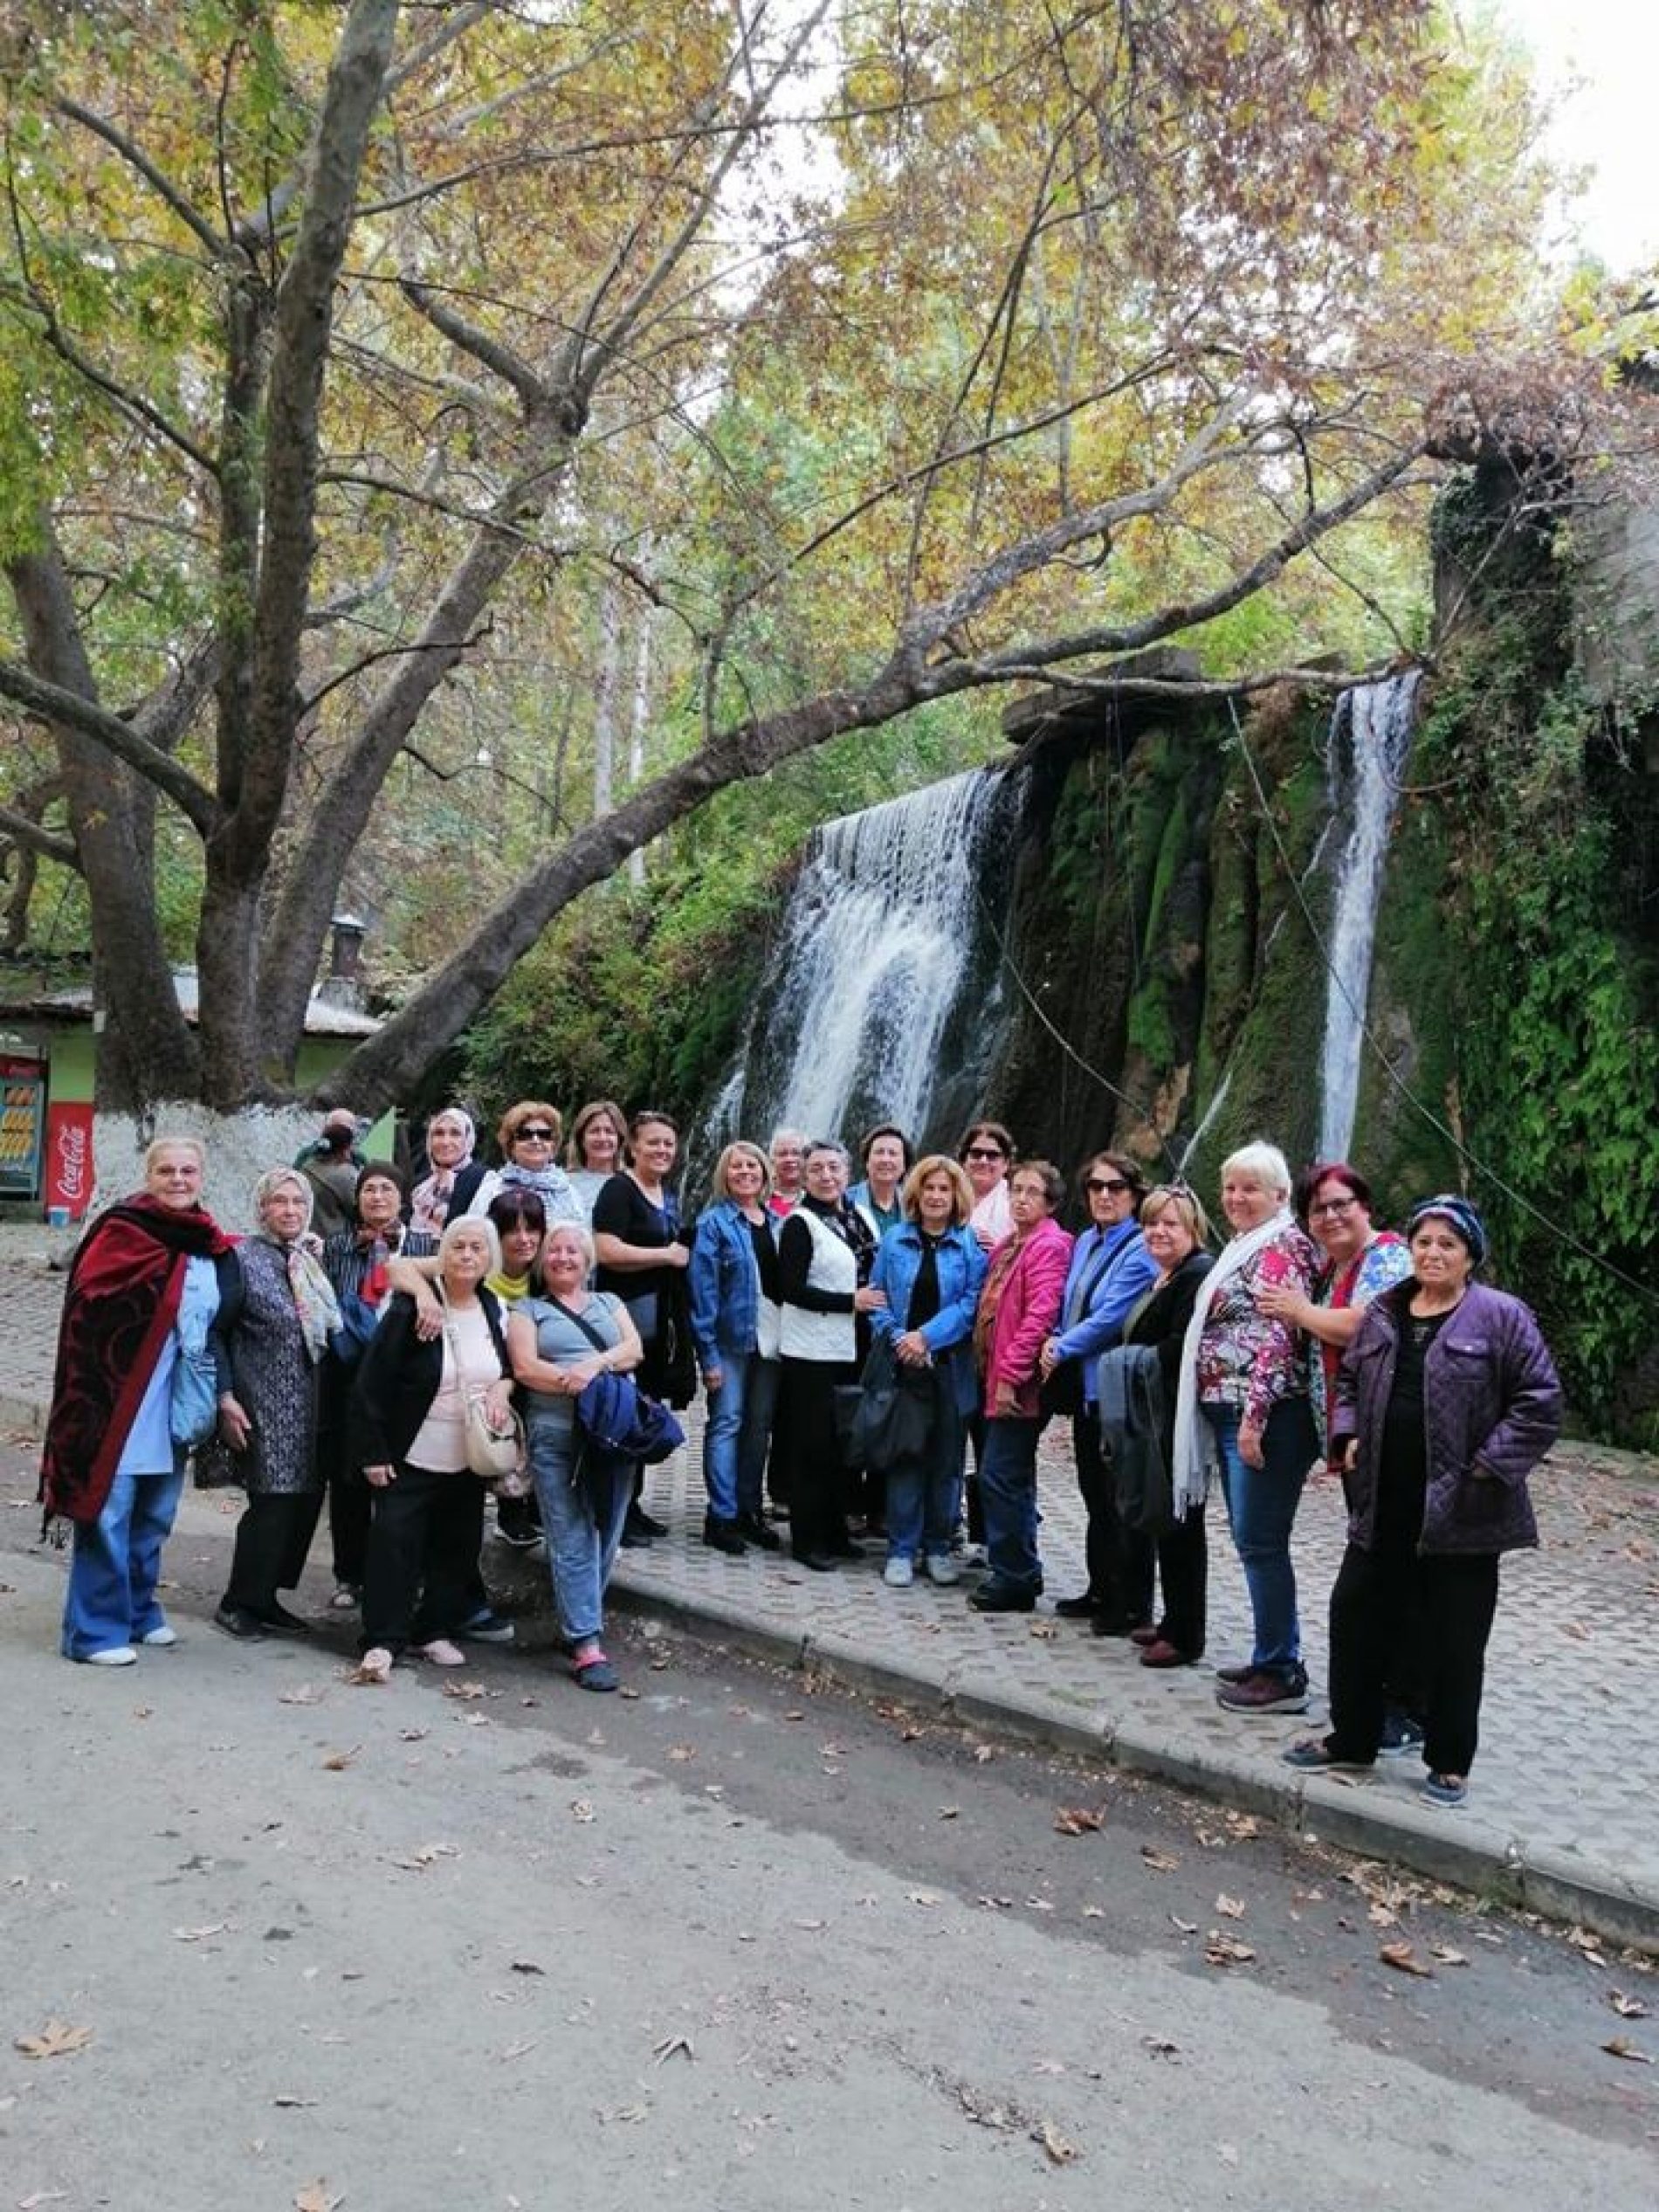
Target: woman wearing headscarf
(356, 1262)
(1111, 1270)
(1017, 1311)
(598, 1146)
(732, 1282)
(824, 1257)
(455, 1177)
(529, 1138)
(1242, 1411)
(1446, 1401)
(408, 1413)
(144, 1286)
(273, 1331)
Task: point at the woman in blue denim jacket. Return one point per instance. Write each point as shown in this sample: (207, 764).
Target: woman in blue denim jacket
(733, 1287)
(932, 1271)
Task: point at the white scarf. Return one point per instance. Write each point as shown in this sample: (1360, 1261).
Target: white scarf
(1194, 1458)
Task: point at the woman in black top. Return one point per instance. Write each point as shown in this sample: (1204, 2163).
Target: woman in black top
(640, 1257)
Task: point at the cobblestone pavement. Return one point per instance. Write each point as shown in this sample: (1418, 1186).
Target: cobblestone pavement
(1560, 1813)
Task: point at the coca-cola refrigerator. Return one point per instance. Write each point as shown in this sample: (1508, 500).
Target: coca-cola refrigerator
(22, 1088)
(69, 1160)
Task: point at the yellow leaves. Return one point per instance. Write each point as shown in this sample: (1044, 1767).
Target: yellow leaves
(55, 2040)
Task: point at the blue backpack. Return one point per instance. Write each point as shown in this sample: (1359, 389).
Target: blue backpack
(616, 1416)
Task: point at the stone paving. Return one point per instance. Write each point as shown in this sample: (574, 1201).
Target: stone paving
(1561, 1813)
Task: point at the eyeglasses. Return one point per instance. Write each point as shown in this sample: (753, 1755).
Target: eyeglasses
(985, 1152)
(533, 1132)
(1332, 1206)
(1113, 1183)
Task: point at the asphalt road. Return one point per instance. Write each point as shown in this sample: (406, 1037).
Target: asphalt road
(732, 1940)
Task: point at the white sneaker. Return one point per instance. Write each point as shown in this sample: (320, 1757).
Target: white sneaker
(120, 1655)
(898, 1574)
(974, 1555)
(161, 1639)
(940, 1567)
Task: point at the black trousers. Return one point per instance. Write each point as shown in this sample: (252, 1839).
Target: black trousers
(1119, 1558)
(1439, 1607)
(1182, 1554)
(817, 1491)
(422, 1557)
(272, 1539)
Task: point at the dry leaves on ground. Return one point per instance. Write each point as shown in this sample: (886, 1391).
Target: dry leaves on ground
(1160, 1861)
(55, 2040)
(1059, 2151)
(672, 2047)
(681, 1753)
(1621, 2047)
(1626, 2008)
(465, 1692)
(922, 1897)
(303, 1693)
(428, 1855)
(200, 1934)
(315, 2197)
(1161, 2047)
(1449, 1954)
(1222, 1950)
(581, 1809)
(1079, 1820)
(1231, 1908)
(337, 1761)
(1404, 1960)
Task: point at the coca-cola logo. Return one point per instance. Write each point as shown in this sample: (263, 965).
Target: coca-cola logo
(72, 1157)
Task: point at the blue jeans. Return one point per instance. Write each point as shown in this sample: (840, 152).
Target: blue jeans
(1260, 1505)
(111, 1598)
(1007, 1488)
(737, 1433)
(583, 1520)
(923, 1492)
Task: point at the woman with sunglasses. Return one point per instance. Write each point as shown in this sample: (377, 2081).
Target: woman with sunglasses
(529, 1138)
(1110, 1270)
(986, 1152)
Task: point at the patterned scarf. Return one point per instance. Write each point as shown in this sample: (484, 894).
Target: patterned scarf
(313, 1294)
(428, 1203)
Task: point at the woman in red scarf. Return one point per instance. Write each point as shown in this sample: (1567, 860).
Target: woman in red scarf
(144, 1282)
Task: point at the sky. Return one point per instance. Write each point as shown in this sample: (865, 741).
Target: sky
(1599, 60)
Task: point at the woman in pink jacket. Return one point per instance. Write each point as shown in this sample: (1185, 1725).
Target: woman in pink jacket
(1017, 1311)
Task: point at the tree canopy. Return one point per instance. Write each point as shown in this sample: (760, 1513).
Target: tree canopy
(389, 390)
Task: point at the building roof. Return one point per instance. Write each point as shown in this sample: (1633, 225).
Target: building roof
(42, 996)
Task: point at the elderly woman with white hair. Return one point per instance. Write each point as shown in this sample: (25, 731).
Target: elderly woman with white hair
(1243, 1412)
(276, 1317)
(408, 1433)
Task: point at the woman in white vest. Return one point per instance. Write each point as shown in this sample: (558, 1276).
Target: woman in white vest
(824, 1255)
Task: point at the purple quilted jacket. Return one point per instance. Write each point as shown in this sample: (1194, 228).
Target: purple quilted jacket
(1492, 1408)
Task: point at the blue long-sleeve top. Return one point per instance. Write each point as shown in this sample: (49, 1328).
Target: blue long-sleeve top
(1110, 1270)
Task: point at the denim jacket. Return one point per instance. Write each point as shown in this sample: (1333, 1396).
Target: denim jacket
(961, 1276)
(724, 1284)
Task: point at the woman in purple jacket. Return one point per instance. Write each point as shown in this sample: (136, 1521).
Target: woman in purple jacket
(1446, 1401)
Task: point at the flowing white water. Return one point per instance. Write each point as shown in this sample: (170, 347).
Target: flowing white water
(1217, 1101)
(880, 938)
(1376, 722)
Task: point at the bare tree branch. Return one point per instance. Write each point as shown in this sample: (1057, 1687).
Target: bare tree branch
(55, 705)
(23, 829)
(157, 179)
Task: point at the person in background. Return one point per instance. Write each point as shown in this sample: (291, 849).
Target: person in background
(886, 1156)
(1018, 1310)
(146, 1282)
(1242, 1409)
(1446, 1400)
(732, 1281)
(642, 1258)
(331, 1165)
(1110, 1271)
(788, 1152)
(1176, 1232)
(454, 1174)
(930, 1271)
(529, 1138)
(356, 1262)
(1333, 1203)
(823, 1251)
(560, 1341)
(986, 1152)
(408, 1432)
(270, 1335)
(597, 1148)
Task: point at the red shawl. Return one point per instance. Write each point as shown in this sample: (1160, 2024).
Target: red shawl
(125, 1284)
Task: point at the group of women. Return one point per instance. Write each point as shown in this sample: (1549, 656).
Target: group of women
(944, 1288)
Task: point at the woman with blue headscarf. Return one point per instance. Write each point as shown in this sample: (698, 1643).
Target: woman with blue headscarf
(1445, 1402)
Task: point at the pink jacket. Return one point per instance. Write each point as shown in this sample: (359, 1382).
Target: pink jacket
(1026, 1315)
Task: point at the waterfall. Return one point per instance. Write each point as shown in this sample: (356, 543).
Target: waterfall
(885, 1005)
(1370, 743)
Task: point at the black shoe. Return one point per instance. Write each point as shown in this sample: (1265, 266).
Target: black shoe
(847, 1547)
(634, 1540)
(989, 1598)
(652, 1525)
(1113, 1624)
(820, 1562)
(723, 1536)
(280, 1622)
(236, 1620)
(756, 1533)
(1078, 1609)
(638, 1529)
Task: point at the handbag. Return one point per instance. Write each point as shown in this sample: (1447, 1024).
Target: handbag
(887, 1415)
(1061, 1396)
(193, 1396)
(619, 1418)
(495, 1455)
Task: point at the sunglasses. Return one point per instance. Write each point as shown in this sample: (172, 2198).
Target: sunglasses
(533, 1133)
(985, 1152)
(1113, 1183)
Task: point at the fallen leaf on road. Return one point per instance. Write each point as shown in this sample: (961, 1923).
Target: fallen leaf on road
(370, 1678)
(680, 1752)
(1449, 1954)
(672, 2047)
(413, 1736)
(1048, 2066)
(40, 2197)
(516, 2050)
(293, 2104)
(996, 1903)
(200, 1935)
(812, 1927)
(143, 1713)
(949, 1812)
(1060, 2152)
(922, 1897)
(303, 1693)
(628, 2113)
(580, 1809)
(1626, 2008)
(983, 2115)
(1187, 1927)
(315, 2197)
(1222, 1950)
(1039, 1904)
(527, 1966)
(1160, 1861)
(1231, 1908)
(1577, 1631)
(1404, 1960)
(1161, 2047)
(1044, 1631)
(55, 2040)
(337, 1761)
(1094, 1911)
(428, 1855)
(466, 1693)
(1621, 2047)
(984, 1752)
(1078, 1820)
(629, 1693)
(1243, 1824)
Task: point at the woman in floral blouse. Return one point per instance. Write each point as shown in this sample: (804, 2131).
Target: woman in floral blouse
(1243, 1412)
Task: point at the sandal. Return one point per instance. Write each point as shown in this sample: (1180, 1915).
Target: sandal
(442, 1652)
(593, 1670)
(1314, 1753)
(1444, 1789)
